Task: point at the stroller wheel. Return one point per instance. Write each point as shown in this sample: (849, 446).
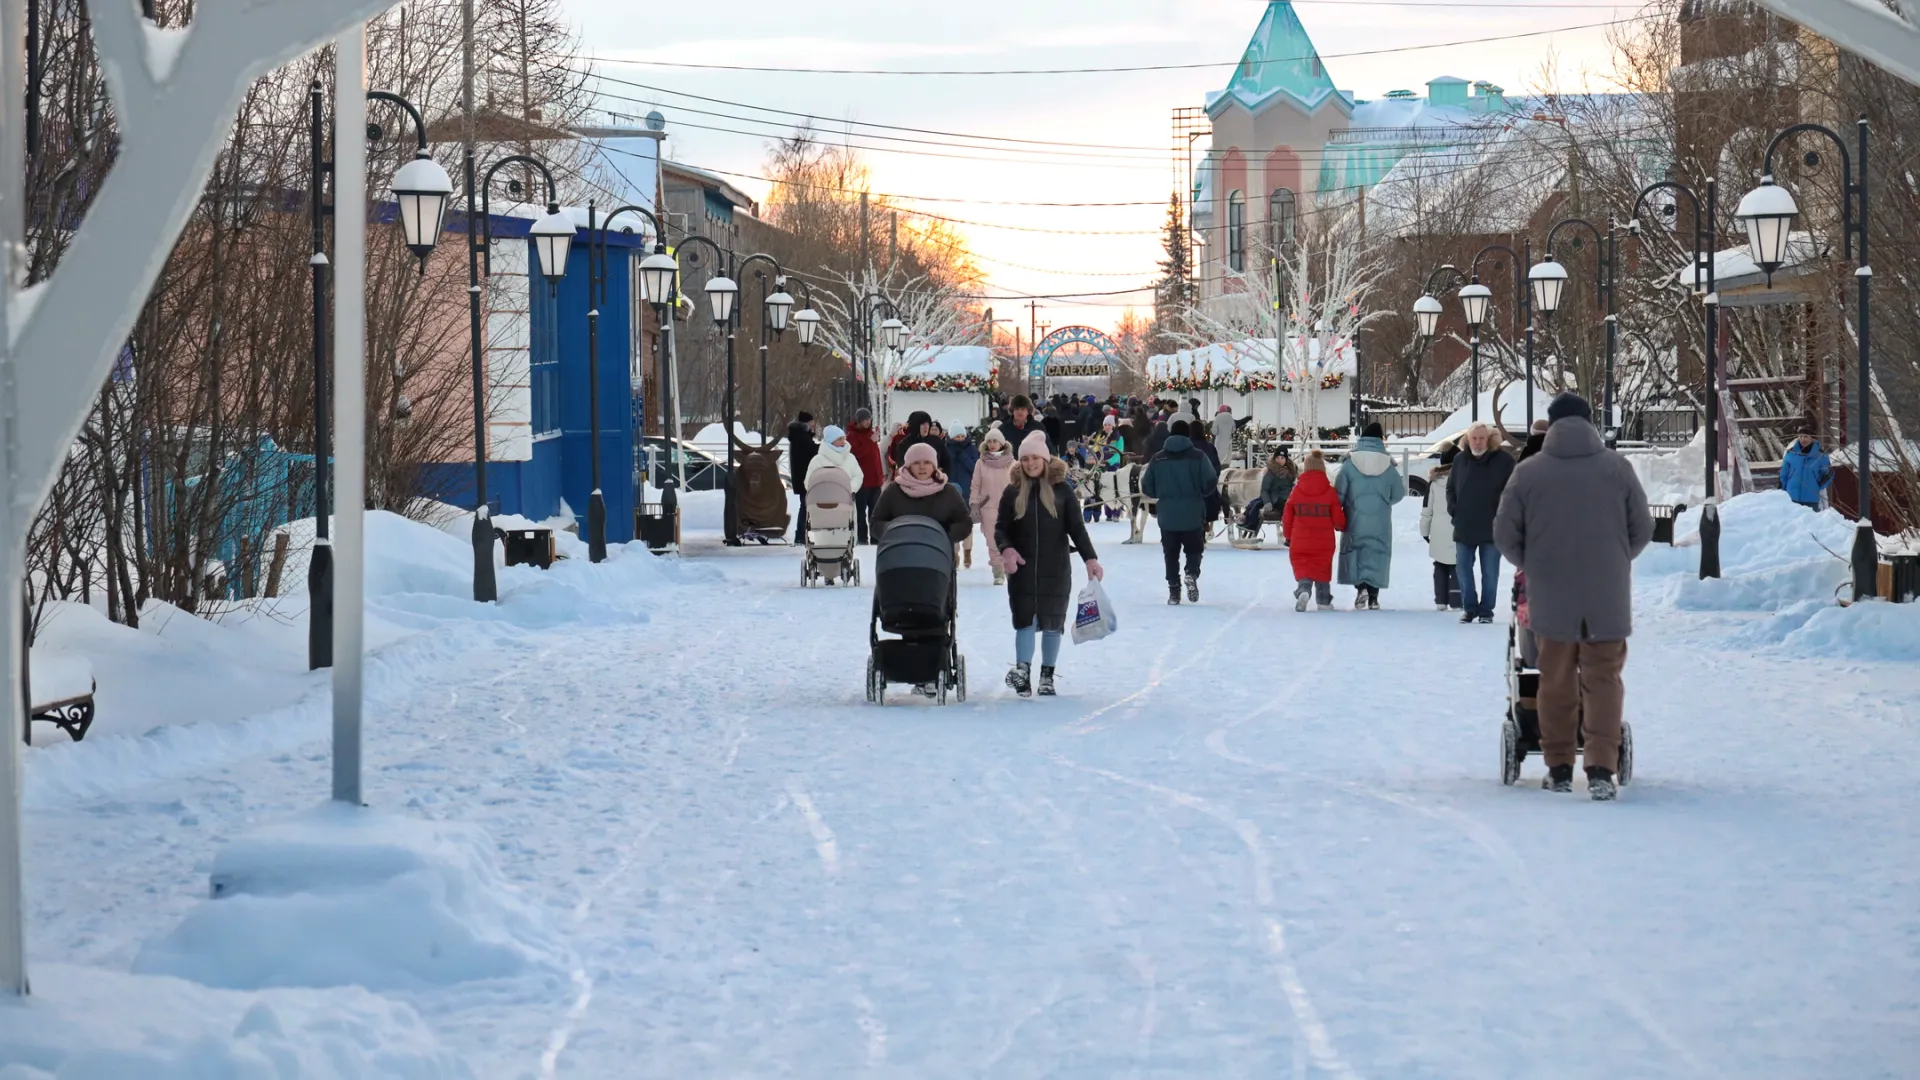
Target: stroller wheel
(806, 576)
(1624, 774)
(1510, 755)
(960, 680)
(871, 673)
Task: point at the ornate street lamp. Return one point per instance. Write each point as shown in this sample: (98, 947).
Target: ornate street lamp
(597, 233)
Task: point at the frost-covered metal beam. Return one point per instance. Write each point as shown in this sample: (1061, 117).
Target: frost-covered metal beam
(175, 92)
(1864, 27)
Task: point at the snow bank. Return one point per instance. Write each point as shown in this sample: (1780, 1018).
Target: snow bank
(1773, 554)
(90, 1024)
(344, 896)
(1675, 476)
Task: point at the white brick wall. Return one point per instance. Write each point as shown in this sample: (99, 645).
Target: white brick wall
(509, 390)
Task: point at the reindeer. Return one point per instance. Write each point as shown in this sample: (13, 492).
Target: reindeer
(759, 504)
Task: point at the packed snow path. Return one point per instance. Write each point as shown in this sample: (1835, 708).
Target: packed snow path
(1243, 842)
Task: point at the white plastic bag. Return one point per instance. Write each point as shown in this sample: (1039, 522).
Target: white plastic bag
(1093, 616)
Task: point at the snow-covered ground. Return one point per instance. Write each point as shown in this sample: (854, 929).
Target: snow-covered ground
(637, 821)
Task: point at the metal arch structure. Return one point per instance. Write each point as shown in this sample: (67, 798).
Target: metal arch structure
(1069, 335)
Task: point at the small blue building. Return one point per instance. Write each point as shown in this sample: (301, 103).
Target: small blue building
(535, 340)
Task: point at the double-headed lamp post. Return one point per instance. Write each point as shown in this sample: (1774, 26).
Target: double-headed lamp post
(597, 230)
(1768, 212)
(775, 307)
(421, 189)
(1474, 301)
(1705, 244)
(551, 234)
(1549, 281)
(892, 333)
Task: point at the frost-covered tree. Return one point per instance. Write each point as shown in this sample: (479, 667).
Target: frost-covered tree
(935, 314)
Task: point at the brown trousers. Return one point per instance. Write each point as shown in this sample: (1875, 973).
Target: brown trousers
(1573, 673)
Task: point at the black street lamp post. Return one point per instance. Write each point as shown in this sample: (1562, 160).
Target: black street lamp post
(892, 332)
(723, 293)
(552, 234)
(1549, 281)
(597, 231)
(1474, 300)
(422, 189)
(1768, 212)
(1706, 243)
(774, 310)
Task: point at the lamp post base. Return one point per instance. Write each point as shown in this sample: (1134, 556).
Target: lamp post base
(320, 606)
(1866, 562)
(485, 590)
(1710, 540)
(596, 527)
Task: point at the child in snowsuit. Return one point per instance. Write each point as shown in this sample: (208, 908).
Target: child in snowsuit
(1311, 522)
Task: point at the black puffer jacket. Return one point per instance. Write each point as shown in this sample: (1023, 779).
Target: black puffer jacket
(1043, 586)
(801, 447)
(1473, 493)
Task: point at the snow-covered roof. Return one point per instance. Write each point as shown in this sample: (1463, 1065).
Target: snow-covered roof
(1733, 267)
(1248, 355)
(950, 360)
(1512, 410)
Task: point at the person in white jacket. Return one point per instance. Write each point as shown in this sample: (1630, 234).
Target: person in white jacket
(1436, 528)
(837, 452)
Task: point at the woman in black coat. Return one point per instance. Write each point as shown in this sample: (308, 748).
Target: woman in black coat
(1039, 516)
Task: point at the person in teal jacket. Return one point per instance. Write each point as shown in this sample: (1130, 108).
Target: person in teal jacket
(1369, 485)
(1805, 472)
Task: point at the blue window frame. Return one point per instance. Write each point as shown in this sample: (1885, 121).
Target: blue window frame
(543, 355)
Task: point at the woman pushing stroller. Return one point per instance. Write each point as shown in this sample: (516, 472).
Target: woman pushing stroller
(1038, 524)
(921, 489)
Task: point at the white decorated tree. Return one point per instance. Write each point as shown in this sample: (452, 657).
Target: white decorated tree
(935, 315)
(175, 92)
(1299, 309)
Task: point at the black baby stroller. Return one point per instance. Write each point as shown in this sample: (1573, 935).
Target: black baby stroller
(1520, 733)
(914, 597)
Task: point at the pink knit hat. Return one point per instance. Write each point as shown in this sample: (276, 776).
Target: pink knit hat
(919, 452)
(1035, 445)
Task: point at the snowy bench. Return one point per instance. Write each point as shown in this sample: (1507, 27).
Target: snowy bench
(62, 689)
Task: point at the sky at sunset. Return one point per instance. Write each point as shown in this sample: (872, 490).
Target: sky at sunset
(1126, 115)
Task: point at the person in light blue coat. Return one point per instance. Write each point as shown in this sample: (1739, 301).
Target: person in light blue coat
(1805, 472)
(1369, 485)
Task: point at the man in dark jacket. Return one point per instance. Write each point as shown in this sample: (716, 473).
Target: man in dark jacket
(1474, 487)
(920, 430)
(1020, 421)
(1573, 519)
(801, 447)
(1182, 479)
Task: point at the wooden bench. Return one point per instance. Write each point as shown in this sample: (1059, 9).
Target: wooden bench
(62, 687)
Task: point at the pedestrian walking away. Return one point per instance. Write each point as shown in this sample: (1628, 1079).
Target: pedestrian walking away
(1369, 485)
(801, 446)
(1436, 528)
(1311, 523)
(1573, 519)
(1183, 480)
(873, 471)
(1036, 530)
(1480, 474)
(1223, 429)
(1806, 471)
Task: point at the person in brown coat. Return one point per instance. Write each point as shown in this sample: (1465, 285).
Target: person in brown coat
(921, 488)
(1573, 519)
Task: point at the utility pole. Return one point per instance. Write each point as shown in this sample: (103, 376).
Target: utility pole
(893, 242)
(866, 255)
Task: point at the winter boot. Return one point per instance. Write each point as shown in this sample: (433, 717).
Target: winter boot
(1559, 778)
(1301, 593)
(1046, 682)
(1020, 679)
(1373, 598)
(1466, 618)
(969, 558)
(1193, 589)
(1600, 784)
(1173, 595)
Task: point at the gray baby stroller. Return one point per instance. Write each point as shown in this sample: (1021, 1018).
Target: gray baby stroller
(1520, 732)
(829, 557)
(914, 596)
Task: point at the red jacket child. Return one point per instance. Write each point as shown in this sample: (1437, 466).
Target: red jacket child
(873, 472)
(1312, 518)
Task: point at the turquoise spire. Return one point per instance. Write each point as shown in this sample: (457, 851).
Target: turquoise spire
(1280, 59)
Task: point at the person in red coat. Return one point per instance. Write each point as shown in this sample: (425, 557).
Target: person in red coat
(873, 472)
(1311, 521)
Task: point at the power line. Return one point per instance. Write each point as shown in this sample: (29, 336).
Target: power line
(1122, 70)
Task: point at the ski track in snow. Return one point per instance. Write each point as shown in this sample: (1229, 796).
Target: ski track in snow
(1243, 842)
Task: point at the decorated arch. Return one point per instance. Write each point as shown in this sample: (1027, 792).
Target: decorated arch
(1073, 352)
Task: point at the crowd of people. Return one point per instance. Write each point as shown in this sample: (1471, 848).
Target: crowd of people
(1565, 510)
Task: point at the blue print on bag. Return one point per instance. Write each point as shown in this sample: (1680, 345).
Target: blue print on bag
(1087, 614)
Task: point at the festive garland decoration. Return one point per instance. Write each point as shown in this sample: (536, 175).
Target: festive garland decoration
(1330, 381)
(956, 383)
